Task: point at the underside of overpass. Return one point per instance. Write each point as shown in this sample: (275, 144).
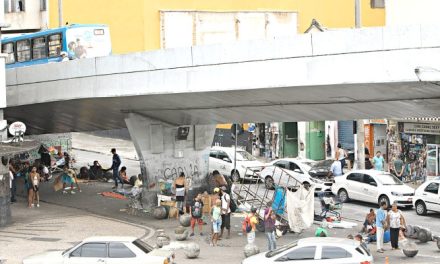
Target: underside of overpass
(367, 73)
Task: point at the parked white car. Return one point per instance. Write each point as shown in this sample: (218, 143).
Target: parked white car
(222, 159)
(374, 187)
(275, 174)
(316, 250)
(427, 197)
(107, 250)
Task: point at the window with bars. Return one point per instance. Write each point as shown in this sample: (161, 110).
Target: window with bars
(39, 50)
(43, 5)
(8, 48)
(23, 50)
(54, 45)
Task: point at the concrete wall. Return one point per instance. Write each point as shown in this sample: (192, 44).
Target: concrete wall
(165, 157)
(5, 194)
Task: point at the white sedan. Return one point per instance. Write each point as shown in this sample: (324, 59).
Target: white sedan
(427, 197)
(373, 187)
(105, 250)
(316, 250)
(278, 171)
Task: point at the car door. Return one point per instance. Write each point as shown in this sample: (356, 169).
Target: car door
(299, 255)
(299, 174)
(370, 188)
(225, 163)
(354, 186)
(279, 173)
(88, 253)
(119, 253)
(334, 254)
(431, 196)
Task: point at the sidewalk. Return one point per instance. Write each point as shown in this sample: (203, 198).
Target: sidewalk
(53, 227)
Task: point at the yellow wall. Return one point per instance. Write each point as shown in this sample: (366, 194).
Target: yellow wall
(135, 24)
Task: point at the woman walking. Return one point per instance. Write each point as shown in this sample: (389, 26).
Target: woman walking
(180, 188)
(395, 221)
(34, 182)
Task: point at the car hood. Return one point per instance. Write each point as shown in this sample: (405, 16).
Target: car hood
(251, 163)
(256, 259)
(44, 257)
(400, 188)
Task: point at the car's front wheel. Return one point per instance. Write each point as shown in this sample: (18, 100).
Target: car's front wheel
(269, 183)
(343, 196)
(420, 208)
(235, 176)
(384, 199)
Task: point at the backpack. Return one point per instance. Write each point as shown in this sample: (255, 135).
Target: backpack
(246, 225)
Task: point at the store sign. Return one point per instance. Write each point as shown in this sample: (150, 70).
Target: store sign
(17, 128)
(417, 128)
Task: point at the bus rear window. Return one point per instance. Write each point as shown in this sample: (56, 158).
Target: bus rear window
(54, 45)
(8, 49)
(23, 50)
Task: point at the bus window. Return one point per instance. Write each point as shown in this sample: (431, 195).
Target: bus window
(39, 48)
(23, 50)
(8, 48)
(54, 45)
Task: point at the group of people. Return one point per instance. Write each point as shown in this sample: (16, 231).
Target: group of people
(377, 223)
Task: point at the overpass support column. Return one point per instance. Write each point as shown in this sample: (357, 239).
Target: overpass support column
(165, 150)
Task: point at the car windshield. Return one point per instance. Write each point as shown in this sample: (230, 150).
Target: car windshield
(244, 156)
(388, 179)
(309, 163)
(67, 250)
(281, 249)
(142, 246)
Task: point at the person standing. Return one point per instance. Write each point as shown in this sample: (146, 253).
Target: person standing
(395, 221)
(13, 181)
(379, 161)
(381, 216)
(398, 167)
(269, 228)
(34, 180)
(216, 220)
(196, 214)
(180, 190)
(336, 167)
(116, 162)
(341, 154)
(253, 221)
(226, 211)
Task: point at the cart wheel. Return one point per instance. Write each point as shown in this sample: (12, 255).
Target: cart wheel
(260, 226)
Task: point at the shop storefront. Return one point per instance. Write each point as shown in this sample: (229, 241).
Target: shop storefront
(419, 145)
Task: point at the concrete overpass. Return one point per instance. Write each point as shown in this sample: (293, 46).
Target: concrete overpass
(347, 74)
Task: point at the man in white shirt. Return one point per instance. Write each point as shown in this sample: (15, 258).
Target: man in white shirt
(336, 168)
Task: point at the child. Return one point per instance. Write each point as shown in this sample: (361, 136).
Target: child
(34, 179)
(269, 228)
(196, 214)
(216, 219)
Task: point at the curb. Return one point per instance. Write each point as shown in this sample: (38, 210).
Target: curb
(98, 152)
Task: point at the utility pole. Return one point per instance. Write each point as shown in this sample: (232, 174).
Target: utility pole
(359, 144)
(357, 13)
(60, 13)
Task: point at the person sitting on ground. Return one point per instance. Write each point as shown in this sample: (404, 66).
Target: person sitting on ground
(370, 218)
(196, 214)
(96, 170)
(123, 176)
(371, 231)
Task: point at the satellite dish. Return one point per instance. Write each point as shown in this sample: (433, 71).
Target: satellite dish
(17, 128)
